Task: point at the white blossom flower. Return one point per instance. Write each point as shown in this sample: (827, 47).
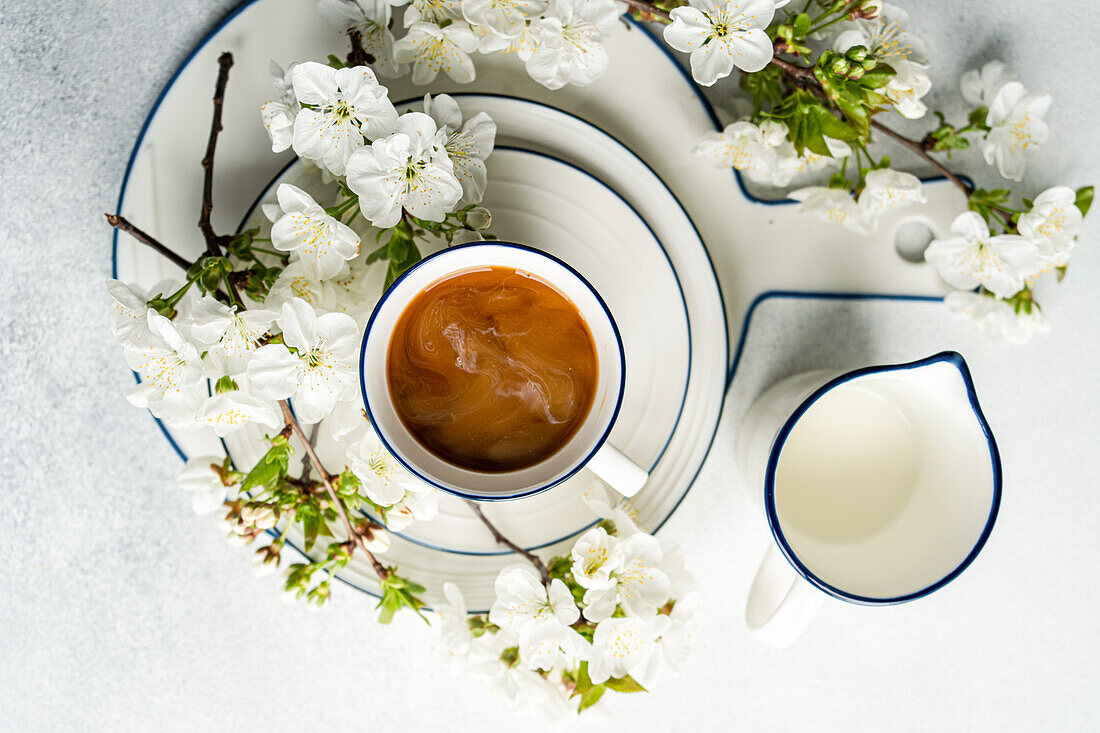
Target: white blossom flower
(383, 479)
(454, 629)
(535, 32)
(672, 648)
(740, 145)
(887, 189)
(721, 34)
(569, 47)
(1053, 223)
(259, 516)
(358, 287)
(595, 555)
(347, 423)
(972, 256)
(1016, 129)
(420, 503)
(298, 281)
(789, 164)
(206, 487)
(540, 617)
(979, 88)
(409, 169)
(997, 318)
(681, 582)
(611, 505)
(431, 49)
(278, 114)
(323, 243)
(430, 11)
(344, 107)
(623, 646)
(505, 17)
(831, 205)
(467, 146)
(320, 372)
(229, 411)
(371, 18)
(640, 585)
(517, 683)
(885, 36)
(170, 370)
(128, 312)
(906, 88)
(229, 336)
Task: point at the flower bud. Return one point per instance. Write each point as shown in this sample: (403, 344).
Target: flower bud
(265, 561)
(478, 218)
(239, 540)
(260, 516)
(840, 66)
(868, 63)
(856, 73)
(856, 53)
(378, 540)
(465, 236)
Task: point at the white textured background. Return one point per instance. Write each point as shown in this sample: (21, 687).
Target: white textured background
(121, 610)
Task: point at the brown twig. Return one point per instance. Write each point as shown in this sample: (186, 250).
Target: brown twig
(501, 539)
(919, 149)
(123, 224)
(648, 11)
(225, 61)
(326, 479)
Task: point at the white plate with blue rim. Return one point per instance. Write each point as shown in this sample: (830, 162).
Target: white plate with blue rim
(645, 100)
(674, 387)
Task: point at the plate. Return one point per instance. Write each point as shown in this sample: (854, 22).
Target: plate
(537, 200)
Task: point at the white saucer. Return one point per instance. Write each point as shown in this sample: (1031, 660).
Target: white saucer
(540, 201)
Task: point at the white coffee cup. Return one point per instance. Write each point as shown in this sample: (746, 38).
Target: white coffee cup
(587, 448)
(879, 485)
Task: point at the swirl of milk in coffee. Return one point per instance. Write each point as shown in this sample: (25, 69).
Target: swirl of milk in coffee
(492, 369)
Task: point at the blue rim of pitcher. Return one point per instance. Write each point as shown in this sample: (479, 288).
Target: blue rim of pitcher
(948, 357)
(679, 286)
(525, 492)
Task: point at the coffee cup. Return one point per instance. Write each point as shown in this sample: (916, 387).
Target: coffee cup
(587, 447)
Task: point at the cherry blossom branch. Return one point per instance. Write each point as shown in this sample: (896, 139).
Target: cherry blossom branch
(534, 559)
(123, 224)
(326, 478)
(804, 76)
(225, 62)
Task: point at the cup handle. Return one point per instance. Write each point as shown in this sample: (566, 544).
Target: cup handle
(781, 604)
(618, 471)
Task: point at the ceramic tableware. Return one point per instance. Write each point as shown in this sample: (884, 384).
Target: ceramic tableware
(879, 485)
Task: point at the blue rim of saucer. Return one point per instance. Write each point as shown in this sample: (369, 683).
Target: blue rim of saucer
(687, 377)
(948, 357)
(526, 492)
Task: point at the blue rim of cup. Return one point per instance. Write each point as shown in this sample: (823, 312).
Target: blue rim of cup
(949, 357)
(431, 480)
(679, 286)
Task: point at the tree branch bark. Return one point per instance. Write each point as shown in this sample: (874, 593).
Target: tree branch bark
(534, 559)
(123, 224)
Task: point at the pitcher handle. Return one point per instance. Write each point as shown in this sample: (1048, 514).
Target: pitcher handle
(781, 604)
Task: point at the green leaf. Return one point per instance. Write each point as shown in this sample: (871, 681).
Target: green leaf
(977, 118)
(878, 77)
(624, 684)
(269, 469)
(312, 524)
(1084, 199)
(813, 137)
(584, 682)
(801, 25)
(378, 254)
(590, 697)
(831, 126)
